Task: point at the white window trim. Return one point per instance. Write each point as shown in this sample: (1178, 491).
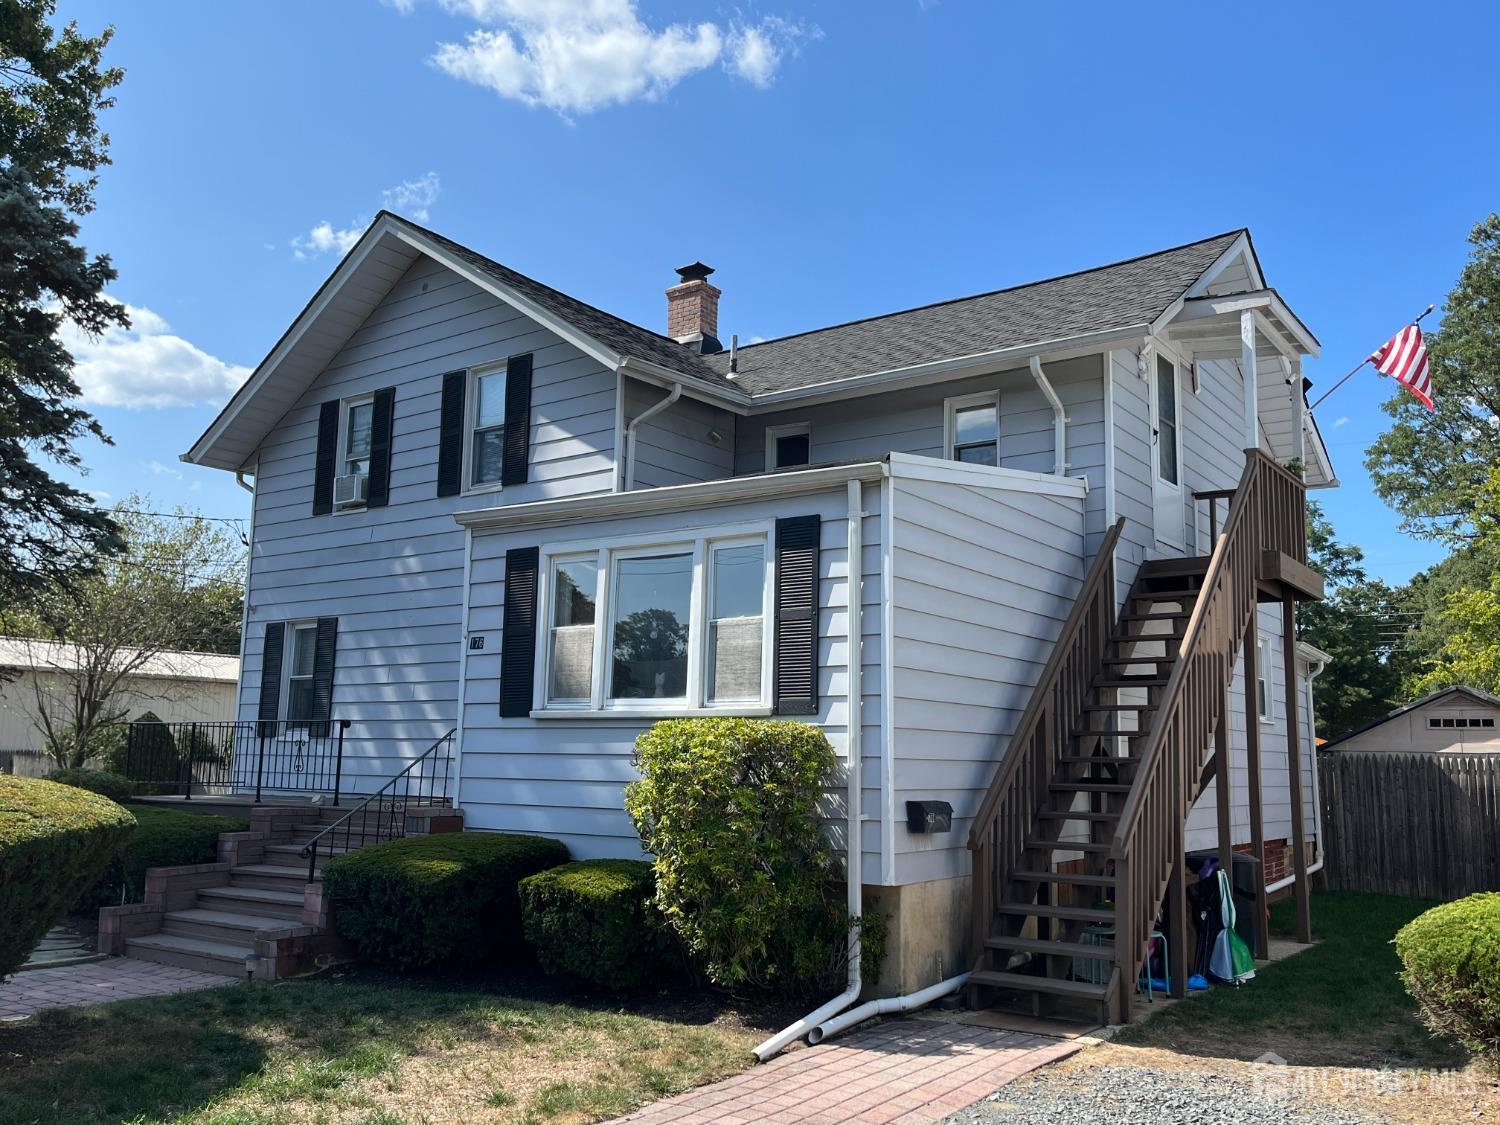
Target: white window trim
(346, 405)
(471, 423)
(791, 429)
(700, 543)
(288, 662)
(1263, 669)
(952, 406)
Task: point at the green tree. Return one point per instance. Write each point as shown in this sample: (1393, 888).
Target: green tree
(1363, 681)
(1464, 628)
(1430, 465)
(52, 87)
(176, 582)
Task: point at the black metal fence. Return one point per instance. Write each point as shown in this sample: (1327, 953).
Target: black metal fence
(202, 759)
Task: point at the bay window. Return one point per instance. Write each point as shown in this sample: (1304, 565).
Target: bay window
(675, 626)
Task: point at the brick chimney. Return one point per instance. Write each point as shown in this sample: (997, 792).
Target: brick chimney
(693, 310)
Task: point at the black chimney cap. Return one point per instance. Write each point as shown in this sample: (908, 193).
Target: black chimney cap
(697, 271)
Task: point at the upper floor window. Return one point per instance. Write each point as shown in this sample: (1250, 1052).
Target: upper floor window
(680, 624)
(1460, 723)
(358, 423)
(788, 446)
(486, 426)
(973, 429)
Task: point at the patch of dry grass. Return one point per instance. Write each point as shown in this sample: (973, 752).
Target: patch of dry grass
(345, 1051)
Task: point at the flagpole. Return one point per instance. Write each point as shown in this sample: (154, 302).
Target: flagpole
(1356, 370)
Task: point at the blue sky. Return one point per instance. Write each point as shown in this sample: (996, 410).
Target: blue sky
(832, 160)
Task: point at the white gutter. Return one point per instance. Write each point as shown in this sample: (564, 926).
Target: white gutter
(891, 1004)
(239, 479)
(1059, 418)
(1317, 661)
(853, 846)
(649, 412)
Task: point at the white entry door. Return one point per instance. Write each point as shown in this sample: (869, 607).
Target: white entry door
(1166, 452)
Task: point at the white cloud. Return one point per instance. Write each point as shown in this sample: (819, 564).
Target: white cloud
(147, 365)
(1340, 423)
(578, 56)
(413, 198)
(156, 468)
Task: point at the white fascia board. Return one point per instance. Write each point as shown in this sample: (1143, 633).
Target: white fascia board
(198, 454)
(943, 370)
(730, 398)
(524, 305)
(1241, 245)
(911, 466)
(1262, 302)
(676, 497)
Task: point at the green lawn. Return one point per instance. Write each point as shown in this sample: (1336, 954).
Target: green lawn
(371, 1050)
(1339, 1003)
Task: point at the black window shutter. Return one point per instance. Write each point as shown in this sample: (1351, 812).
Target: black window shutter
(328, 455)
(513, 469)
(382, 416)
(322, 698)
(518, 634)
(795, 661)
(450, 477)
(271, 653)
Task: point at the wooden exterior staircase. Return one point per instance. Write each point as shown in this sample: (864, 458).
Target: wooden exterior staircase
(1125, 727)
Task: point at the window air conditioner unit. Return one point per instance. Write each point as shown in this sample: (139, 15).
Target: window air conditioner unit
(350, 489)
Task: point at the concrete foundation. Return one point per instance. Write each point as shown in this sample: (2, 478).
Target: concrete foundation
(927, 933)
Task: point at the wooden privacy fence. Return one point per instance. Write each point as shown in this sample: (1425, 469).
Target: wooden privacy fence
(1424, 825)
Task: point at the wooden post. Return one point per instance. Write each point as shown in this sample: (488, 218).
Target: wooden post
(1223, 788)
(1177, 917)
(1251, 377)
(1294, 768)
(1252, 759)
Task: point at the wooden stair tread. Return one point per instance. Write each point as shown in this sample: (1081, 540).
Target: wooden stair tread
(1023, 982)
(1057, 814)
(1119, 706)
(1064, 877)
(1099, 759)
(1130, 682)
(1105, 951)
(1066, 913)
(1157, 615)
(1088, 787)
(1067, 846)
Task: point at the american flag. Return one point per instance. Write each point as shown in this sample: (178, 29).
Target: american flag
(1404, 358)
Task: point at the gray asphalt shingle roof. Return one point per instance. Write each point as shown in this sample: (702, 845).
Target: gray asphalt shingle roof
(1119, 295)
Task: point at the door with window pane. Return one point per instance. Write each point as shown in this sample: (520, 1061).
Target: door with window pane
(1166, 454)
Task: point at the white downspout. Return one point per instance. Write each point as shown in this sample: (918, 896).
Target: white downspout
(1059, 418)
(1314, 670)
(650, 412)
(853, 855)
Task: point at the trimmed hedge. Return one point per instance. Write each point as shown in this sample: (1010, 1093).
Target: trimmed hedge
(54, 841)
(433, 900)
(744, 874)
(118, 789)
(1451, 959)
(596, 919)
(163, 838)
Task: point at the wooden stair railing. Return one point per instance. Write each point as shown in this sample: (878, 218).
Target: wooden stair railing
(1267, 514)
(998, 835)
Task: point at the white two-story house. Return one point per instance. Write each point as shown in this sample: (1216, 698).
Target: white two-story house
(945, 535)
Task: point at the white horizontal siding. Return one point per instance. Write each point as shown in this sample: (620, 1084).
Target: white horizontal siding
(566, 777)
(676, 446)
(393, 576)
(983, 578)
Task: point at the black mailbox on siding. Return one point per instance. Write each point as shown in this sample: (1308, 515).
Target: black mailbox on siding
(929, 816)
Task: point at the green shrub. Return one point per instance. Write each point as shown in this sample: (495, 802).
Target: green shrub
(597, 920)
(744, 874)
(102, 782)
(1451, 960)
(147, 755)
(54, 841)
(431, 900)
(163, 838)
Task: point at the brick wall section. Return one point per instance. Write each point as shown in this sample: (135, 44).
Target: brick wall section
(693, 308)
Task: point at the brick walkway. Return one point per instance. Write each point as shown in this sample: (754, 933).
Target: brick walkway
(906, 1071)
(74, 986)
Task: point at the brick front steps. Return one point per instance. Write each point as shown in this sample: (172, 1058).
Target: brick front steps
(256, 901)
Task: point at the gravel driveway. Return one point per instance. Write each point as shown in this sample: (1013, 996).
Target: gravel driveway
(1127, 1095)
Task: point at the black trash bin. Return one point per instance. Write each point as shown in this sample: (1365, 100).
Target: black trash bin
(1244, 877)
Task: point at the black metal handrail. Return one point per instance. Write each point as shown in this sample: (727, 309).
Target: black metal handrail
(381, 816)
